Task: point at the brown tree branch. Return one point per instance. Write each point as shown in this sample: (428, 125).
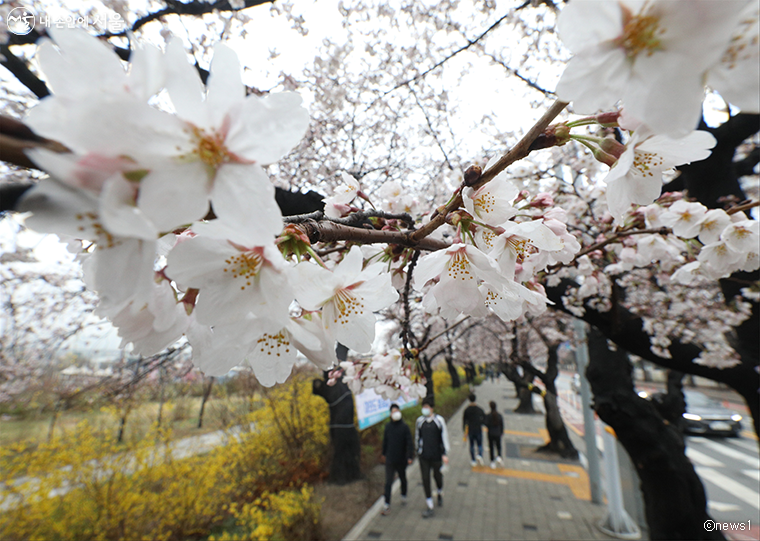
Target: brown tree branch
(331, 232)
(517, 152)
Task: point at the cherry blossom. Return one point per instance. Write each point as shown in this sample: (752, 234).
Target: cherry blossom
(154, 325)
(460, 269)
(120, 268)
(386, 374)
(518, 241)
(684, 218)
(491, 202)
(395, 198)
(336, 206)
(348, 297)
(636, 177)
(652, 55)
(736, 74)
(233, 280)
(712, 225)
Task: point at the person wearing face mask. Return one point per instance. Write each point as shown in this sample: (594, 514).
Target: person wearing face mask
(398, 453)
(432, 440)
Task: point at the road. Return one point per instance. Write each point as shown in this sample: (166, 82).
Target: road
(728, 467)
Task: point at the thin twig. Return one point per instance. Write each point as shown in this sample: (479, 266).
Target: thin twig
(470, 43)
(407, 311)
(447, 329)
(430, 127)
(743, 206)
(616, 236)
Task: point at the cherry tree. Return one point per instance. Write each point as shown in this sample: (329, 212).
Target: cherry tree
(174, 214)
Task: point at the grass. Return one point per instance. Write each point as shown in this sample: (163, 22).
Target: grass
(180, 415)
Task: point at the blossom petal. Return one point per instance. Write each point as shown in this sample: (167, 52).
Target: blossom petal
(243, 197)
(273, 126)
(225, 83)
(175, 195)
(119, 214)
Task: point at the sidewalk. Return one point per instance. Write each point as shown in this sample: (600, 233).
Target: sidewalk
(528, 498)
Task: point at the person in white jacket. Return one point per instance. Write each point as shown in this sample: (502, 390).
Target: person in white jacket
(432, 442)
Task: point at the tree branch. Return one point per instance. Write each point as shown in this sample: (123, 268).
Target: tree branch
(517, 152)
(330, 232)
(470, 43)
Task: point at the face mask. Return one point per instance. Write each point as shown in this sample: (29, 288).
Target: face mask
(425, 411)
(396, 415)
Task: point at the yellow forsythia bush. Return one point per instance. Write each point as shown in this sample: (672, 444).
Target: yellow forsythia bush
(289, 515)
(441, 380)
(86, 487)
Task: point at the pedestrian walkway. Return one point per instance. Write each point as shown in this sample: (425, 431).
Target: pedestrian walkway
(528, 498)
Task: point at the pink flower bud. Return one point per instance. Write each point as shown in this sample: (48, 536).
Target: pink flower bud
(542, 200)
(608, 120)
(522, 196)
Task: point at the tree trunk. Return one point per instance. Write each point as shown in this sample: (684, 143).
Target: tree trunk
(559, 439)
(204, 399)
(53, 420)
(524, 394)
(427, 371)
(674, 498)
(160, 395)
(456, 383)
(672, 405)
(122, 424)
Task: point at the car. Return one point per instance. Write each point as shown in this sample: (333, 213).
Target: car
(705, 415)
(575, 385)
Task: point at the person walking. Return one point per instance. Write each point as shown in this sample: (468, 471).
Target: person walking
(432, 440)
(398, 452)
(495, 424)
(472, 420)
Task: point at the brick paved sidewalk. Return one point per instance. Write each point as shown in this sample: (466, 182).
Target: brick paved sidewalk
(528, 498)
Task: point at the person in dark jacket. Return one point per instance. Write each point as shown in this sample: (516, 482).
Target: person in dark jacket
(398, 453)
(495, 424)
(432, 439)
(473, 419)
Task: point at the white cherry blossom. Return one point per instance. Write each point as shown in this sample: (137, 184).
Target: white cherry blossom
(460, 269)
(348, 297)
(154, 325)
(719, 259)
(636, 177)
(653, 55)
(518, 241)
(684, 218)
(736, 74)
(712, 225)
(742, 236)
(233, 280)
(491, 203)
(120, 267)
(336, 206)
